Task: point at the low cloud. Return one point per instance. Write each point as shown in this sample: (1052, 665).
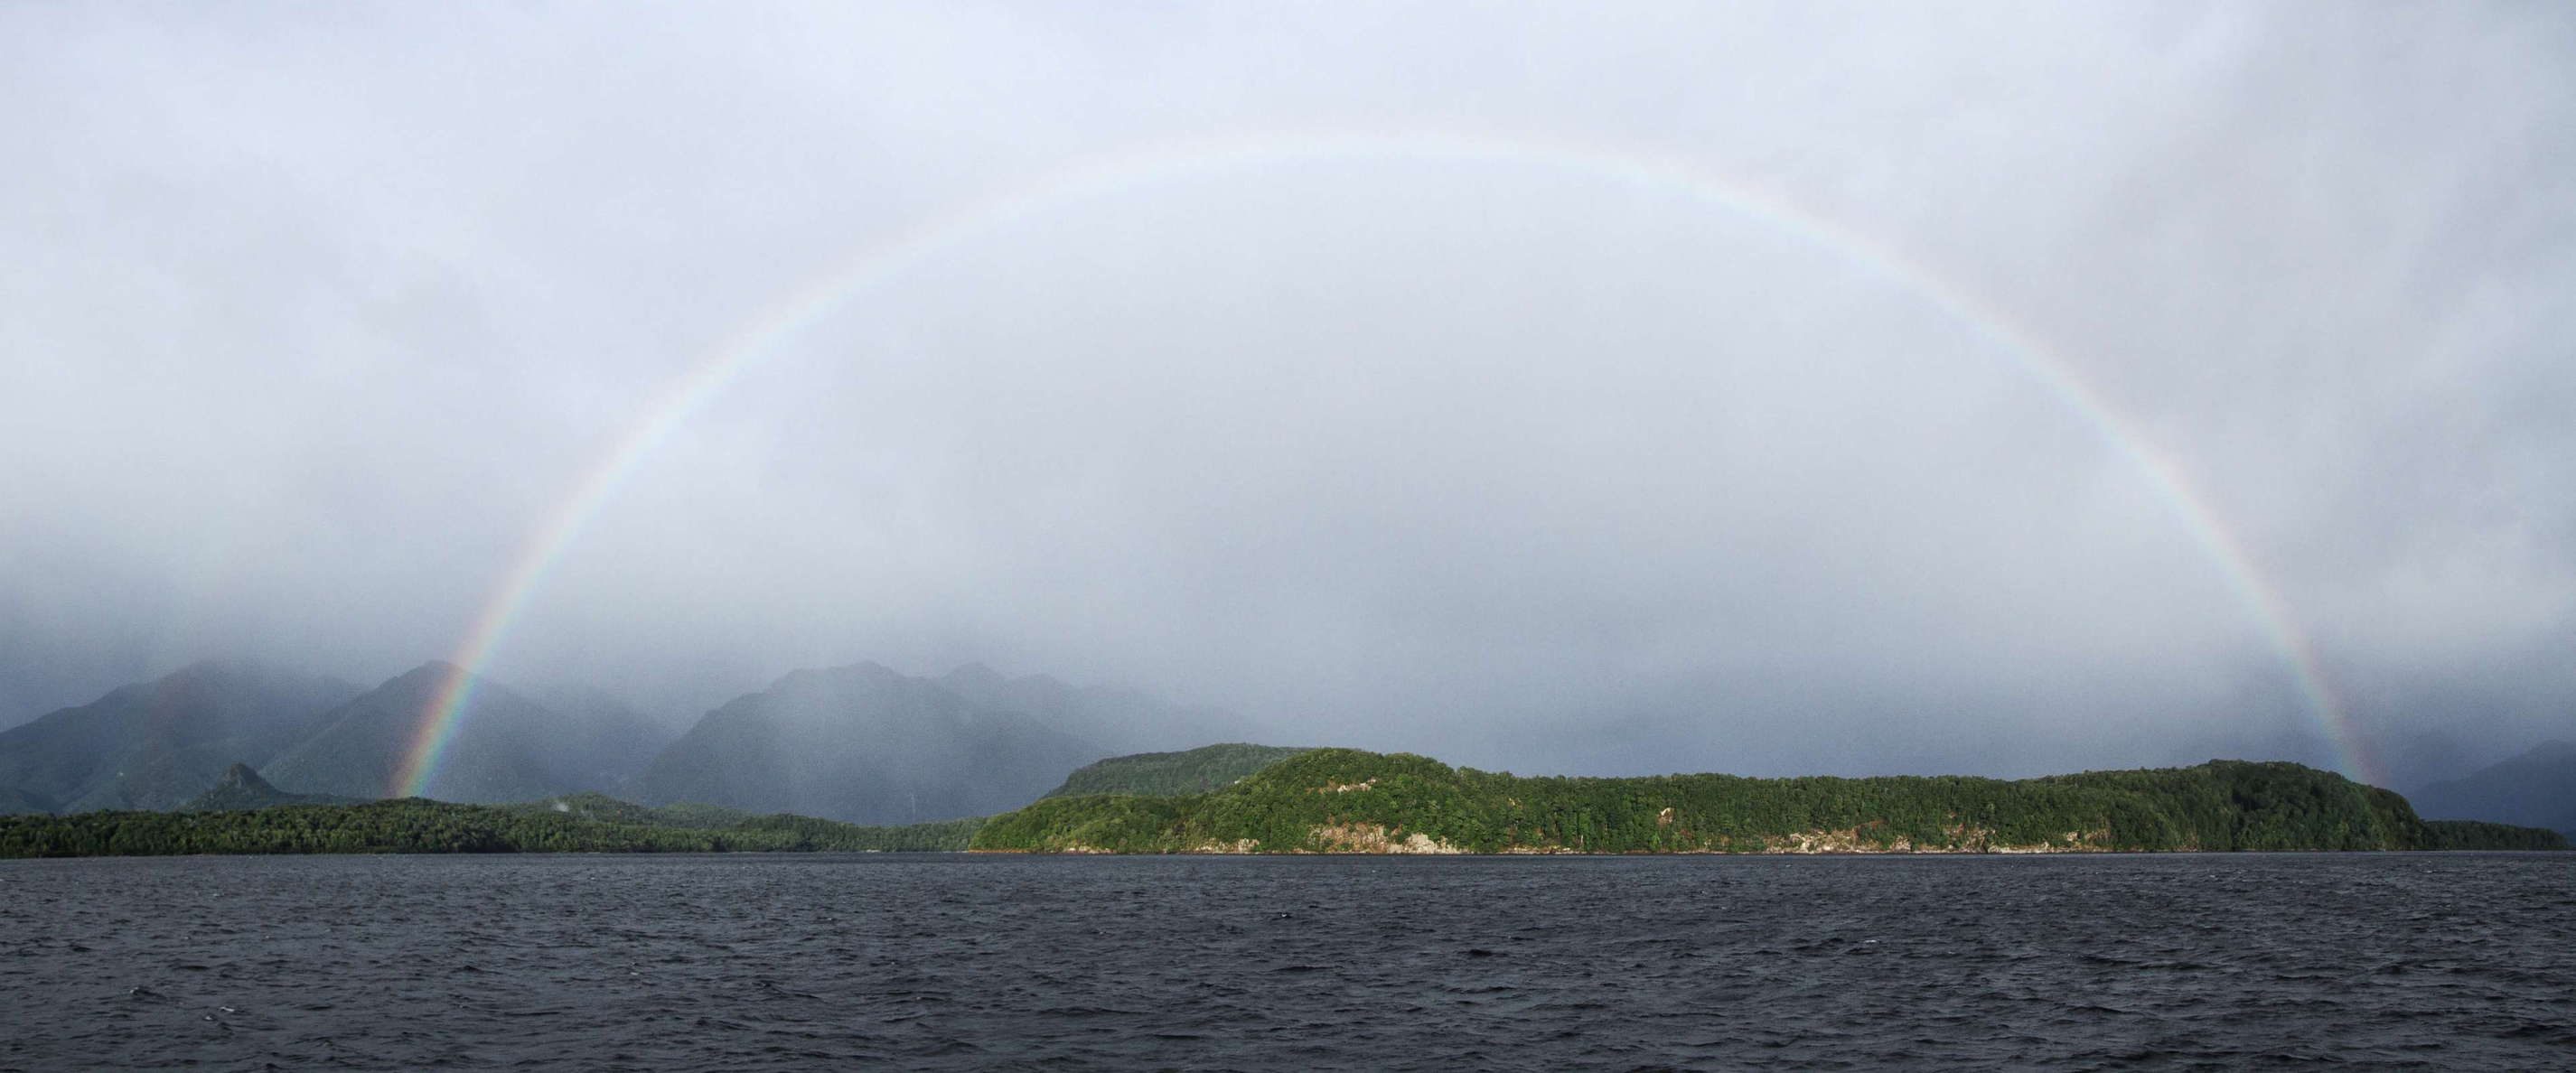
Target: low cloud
(1537, 458)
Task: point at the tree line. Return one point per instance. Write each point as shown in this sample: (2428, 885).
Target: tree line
(1331, 800)
(1199, 770)
(415, 825)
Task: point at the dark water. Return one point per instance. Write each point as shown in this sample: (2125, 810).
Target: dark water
(2427, 961)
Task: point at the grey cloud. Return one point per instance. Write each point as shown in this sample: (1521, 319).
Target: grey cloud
(321, 316)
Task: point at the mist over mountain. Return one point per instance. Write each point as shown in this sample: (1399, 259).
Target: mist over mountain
(867, 744)
(156, 744)
(2536, 788)
(860, 742)
(503, 747)
(605, 743)
(1119, 718)
(1968, 387)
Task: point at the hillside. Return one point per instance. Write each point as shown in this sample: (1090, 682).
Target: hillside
(242, 788)
(414, 825)
(1195, 771)
(606, 809)
(2481, 835)
(155, 745)
(866, 744)
(606, 743)
(1344, 800)
(1116, 719)
(504, 747)
(2535, 789)
(859, 743)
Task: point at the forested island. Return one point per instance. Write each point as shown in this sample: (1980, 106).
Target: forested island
(1349, 801)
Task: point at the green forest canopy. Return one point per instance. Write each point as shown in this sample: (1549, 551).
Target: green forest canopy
(1195, 771)
(1346, 800)
(416, 825)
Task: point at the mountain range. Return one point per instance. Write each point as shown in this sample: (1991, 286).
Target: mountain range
(860, 743)
(503, 747)
(155, 745)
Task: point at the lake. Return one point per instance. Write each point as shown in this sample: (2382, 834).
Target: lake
(938, 961)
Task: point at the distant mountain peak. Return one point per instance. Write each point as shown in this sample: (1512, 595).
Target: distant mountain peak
(504, 745)
(863, 742)
(219, 671)
(243, 788)
(866, 670)
(201, 668)
(426, 682)
(241, 776)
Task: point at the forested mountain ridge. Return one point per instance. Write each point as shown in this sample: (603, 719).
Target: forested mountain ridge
(1192, 771)
(853, 743)
(156, 744)
(1345, 800)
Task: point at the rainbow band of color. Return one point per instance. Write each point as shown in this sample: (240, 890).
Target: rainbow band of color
(689, 393)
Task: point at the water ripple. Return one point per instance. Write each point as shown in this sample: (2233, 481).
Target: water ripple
(2394, 961)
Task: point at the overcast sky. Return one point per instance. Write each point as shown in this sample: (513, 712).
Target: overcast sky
(1582, 388)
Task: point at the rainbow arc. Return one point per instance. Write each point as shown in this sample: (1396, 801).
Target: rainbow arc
(880, 263)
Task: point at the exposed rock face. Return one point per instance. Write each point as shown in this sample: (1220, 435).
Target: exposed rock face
(1960, 839)
(1373, 838)
(1240, 845)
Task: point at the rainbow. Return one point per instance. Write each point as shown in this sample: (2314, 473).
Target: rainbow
(877, 264)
